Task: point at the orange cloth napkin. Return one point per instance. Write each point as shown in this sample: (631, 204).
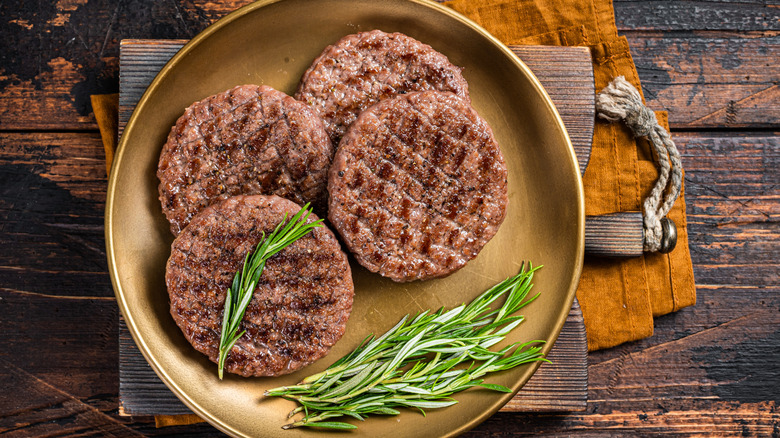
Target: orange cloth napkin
(619, 297)
(106, 109)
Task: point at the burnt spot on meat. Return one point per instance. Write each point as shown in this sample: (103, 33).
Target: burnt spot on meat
(385, 170)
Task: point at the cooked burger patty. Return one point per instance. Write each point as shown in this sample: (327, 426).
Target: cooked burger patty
(247, 140)
(418, 186)
(302, 301)
(364, 68)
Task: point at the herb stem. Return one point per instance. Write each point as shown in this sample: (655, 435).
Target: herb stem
(420, 362)
(239, 294)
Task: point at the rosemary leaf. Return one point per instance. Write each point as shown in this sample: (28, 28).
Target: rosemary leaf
(494, 387)
(421, 361)
(327, 424)
(244, 282)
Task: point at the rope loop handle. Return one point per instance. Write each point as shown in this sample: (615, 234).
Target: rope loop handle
(621, 101)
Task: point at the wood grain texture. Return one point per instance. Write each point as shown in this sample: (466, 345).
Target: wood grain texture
(560, 386)
(734, 225)
(615, 235)
(676, 15)
(708, 370)
(569, 82)
(139, 63)
(65, 414)
(710, 79)
(141, 392)
(707, 63)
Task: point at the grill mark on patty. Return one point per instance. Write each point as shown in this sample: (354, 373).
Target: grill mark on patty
(214, 130)
(420, 203)
(377, 229)
(453, 176)
(209, 108)
(425, 227)
(437, 204)
(369, 67)
(411, 198)
(439, 174)
(488, 156)
(302, 300)
(210, 280)
(236, 150)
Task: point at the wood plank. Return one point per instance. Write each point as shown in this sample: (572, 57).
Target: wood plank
(558, 387)
(56, 54)
(140, 61)
(562, 380)
(710, 80)
(615, 234)
(570, 86)
(52, 192)
(141, 392)
(642, 376)
(57, 310)
(718, 419)
(68, 341)
(675, 15)
(698, 60)
(44, 410)
(733, 223)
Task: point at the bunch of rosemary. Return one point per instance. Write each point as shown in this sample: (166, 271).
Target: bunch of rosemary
(240, 293)
(415, 364)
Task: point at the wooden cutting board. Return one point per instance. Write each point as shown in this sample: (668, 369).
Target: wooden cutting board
(560, 386)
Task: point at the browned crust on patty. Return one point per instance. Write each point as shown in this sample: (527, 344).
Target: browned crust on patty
(302, 301)
(248, 140)
(361, 69)
(418, 186)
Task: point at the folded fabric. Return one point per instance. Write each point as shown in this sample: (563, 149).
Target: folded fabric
(619, 297)
(106, 110)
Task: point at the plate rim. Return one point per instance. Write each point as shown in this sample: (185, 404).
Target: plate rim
(113, 270)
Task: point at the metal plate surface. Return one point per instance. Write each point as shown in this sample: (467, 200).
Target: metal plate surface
(272, 43)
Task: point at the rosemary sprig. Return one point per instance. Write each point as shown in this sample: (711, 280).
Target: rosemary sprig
(415, 363)
(240, 293)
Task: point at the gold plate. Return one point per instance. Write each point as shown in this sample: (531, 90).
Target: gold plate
(273, 42)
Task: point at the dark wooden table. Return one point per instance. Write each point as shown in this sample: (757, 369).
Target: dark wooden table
(709, 369)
